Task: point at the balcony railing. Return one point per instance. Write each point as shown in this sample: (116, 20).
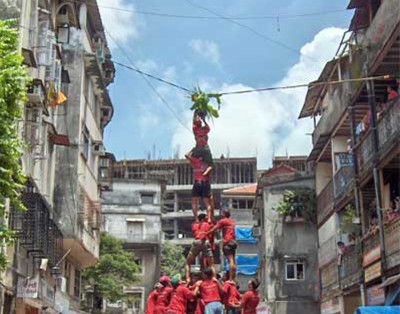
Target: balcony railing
(392, 243)
(342, 179)
(371, 250)
(388, 128)
(327, 252)
(329, 278)
(350, 267)
(325, 201)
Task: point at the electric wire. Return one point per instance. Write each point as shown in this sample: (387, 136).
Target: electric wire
(202, 17)
(252, 30)
(163, 100)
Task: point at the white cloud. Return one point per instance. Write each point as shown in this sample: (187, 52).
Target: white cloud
(122, 25)
(266, 123)
(207, 49)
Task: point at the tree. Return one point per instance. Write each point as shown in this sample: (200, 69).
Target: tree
(172, 258)
(13, 80)
(115, 270)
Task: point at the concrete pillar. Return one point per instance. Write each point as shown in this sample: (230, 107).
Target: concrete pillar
(175, 228)
(176, 207)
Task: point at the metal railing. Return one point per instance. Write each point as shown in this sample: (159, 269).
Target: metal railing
(342, 180)
(350, 267)
(392, 242)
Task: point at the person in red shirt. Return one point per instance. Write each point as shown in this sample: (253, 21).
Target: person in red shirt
(227, 225)
(201, 244)
(152, 298)
(211, 292)
(232, 295)
(197, 305)
(180, 297)
(201, 186)
(200, 131)
(391, 93)
(251, 298)
(163, 296)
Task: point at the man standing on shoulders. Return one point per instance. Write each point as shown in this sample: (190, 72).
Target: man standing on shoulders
(181, 295)
(227, 225)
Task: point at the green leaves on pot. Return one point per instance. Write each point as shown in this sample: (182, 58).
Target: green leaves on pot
(203, 102)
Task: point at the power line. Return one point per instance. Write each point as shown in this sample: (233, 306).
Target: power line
(252, 30)
(203, 17)
(149, 83)
(153, 76)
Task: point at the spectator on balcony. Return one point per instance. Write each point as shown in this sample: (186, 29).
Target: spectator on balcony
(351, 238)
(373, 226)
(341, 248)
(392, 93)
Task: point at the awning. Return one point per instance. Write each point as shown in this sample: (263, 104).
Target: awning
(377, 310)
(247, 264)
(244, 235)
(389, 281)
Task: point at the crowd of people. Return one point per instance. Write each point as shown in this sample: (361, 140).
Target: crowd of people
(202, 292)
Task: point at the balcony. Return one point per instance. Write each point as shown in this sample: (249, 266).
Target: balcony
(329, 279)
(350, 268)
(342, 180)
(388, 128)
(325, 202)
(327, 252)
(372, 251)
(392, 240)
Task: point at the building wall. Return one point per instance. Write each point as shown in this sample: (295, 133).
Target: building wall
(288, 240)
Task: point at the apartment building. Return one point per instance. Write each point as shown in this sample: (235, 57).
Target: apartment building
(177, 215)
(356, 154)
(287, 246)
(64, 48)
(131, 211)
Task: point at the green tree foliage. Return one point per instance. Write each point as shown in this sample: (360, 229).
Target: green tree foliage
(115, 270)
(13, 80)
(172, 258)
(302, 200)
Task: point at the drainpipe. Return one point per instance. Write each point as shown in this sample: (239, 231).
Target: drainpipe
(377, 183)
(359, 216)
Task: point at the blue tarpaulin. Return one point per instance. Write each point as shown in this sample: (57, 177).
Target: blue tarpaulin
(246, 264)
(377, 310)
(244, 235)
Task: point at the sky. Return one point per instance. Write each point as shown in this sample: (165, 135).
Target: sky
(153, 120)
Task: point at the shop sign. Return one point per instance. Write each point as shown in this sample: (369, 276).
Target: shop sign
(331, 306)
(375, 296)
(47, 291)
(28, 287)
(372, 255)
(262, 308)
(61, 303)
(372, 272)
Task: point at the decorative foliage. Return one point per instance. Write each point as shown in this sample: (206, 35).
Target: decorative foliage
(298, 203)
(201, 102)
(346, 224)
(115, 270)
(13, 80)
(172, 258)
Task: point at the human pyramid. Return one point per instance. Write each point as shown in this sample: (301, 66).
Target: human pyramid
(201, 292)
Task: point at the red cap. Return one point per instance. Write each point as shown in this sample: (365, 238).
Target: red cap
(164, 280)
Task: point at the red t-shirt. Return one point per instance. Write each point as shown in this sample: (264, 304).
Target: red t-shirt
(198, 168)
(209, 291)
(151, 302)
(392, 95)
(163, 298)
(196, 229)
(179, 299)
(250, 301)
(200, 134)
(228, 228)
(232, 294)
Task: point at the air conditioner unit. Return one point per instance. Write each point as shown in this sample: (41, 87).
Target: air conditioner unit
(256, 231)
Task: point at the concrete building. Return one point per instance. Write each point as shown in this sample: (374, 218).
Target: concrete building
(177, 215)
(287, 245)
(240, 201)
(296, 162)
(63, 45)
(131, 211)
(356, 153)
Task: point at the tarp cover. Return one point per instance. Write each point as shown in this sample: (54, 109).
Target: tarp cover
(377, 310)
(244, 235)
(246, 264)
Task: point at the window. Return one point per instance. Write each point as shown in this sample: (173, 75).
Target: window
(294, 269)
(77, 283)
(135, 302)
(86, 143)
(147, 198)
(139, 261)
